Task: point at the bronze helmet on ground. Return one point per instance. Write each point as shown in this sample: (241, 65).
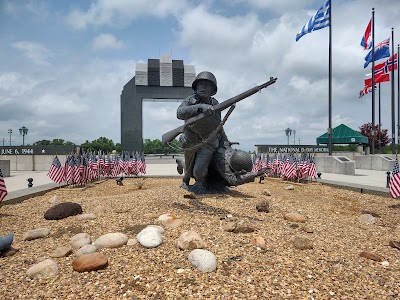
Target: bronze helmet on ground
(241, 160)
(205, 75)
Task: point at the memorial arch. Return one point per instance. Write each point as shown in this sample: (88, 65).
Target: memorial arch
(158, 80)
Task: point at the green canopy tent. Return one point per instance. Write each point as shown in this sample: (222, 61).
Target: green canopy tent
(343, 134)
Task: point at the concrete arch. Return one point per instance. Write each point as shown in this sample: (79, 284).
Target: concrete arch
(160, 80)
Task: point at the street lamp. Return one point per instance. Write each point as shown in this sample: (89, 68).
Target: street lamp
(10, 131)
(23, 131)
(294, 137)
(288, 132)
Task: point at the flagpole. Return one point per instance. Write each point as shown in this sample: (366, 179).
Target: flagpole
(330, 80)
(398, 96)
(393, 114)
(373, 83)
(379, 108)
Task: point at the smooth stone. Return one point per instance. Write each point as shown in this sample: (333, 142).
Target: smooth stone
(44, 269)
(203, 260)
(295, 217)
(173, 223)
(80, 239)
(89, 262)
(63, 210)
(158, 227)
(132, 242)
(302, 243)
(190, 240)
(166, 217)
(34, 234)
(62, 251)
(87, 249)
(84, 217)
(289, 188)
(10, 251)
(111, 240)
(258, 241)
(149, 237)
(367, 218)
(371, 255)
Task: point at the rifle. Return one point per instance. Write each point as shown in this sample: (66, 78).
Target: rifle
(172, 134)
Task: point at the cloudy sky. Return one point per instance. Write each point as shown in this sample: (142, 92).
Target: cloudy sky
(63, 64)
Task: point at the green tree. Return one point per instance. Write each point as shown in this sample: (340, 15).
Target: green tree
(57, 142)
(42, 142)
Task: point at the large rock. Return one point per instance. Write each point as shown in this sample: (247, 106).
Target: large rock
(190, 240)
(44, 269)
(62, 211)
(111, 240)
(203, 260)
(90, 262)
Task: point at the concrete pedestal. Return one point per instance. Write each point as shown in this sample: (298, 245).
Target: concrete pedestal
(335, 164)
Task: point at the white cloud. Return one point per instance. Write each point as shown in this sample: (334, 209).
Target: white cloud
(106, 41)
(105, 12)
(36, 52)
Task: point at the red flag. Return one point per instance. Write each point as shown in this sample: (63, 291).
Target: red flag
(366, 41)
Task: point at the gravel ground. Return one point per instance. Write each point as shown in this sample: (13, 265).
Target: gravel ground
(332, 269)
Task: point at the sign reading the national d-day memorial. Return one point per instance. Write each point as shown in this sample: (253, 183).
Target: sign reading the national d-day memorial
(292, 149)
(37, 150)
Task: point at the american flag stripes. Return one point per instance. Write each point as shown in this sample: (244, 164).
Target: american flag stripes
(3, 189)
(56, 171)
(394, 183)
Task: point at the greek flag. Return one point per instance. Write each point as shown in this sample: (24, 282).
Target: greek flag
(317, 21)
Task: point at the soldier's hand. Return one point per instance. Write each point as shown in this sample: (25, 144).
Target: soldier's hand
(207, 109)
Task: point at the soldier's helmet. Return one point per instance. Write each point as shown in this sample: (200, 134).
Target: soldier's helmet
(241, 160)
(205, 76)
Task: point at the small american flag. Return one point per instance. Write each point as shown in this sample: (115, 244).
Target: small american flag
(3, 189)
(394, 184)
(56, 171)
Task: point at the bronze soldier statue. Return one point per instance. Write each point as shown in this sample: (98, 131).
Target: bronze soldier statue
(209, 157)
(201, 139)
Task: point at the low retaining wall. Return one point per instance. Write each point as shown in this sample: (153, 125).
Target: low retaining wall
(30, 162)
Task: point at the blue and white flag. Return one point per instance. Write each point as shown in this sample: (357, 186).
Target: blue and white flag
(381, 51)
(318, 21)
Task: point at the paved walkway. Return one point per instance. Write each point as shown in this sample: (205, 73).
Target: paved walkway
(364, 181)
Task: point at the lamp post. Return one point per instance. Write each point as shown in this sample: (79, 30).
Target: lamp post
(23, 131)
(288, 132)
(10, 131)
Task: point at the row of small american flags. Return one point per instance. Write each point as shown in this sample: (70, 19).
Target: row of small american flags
(289, 167)
(84, 168)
